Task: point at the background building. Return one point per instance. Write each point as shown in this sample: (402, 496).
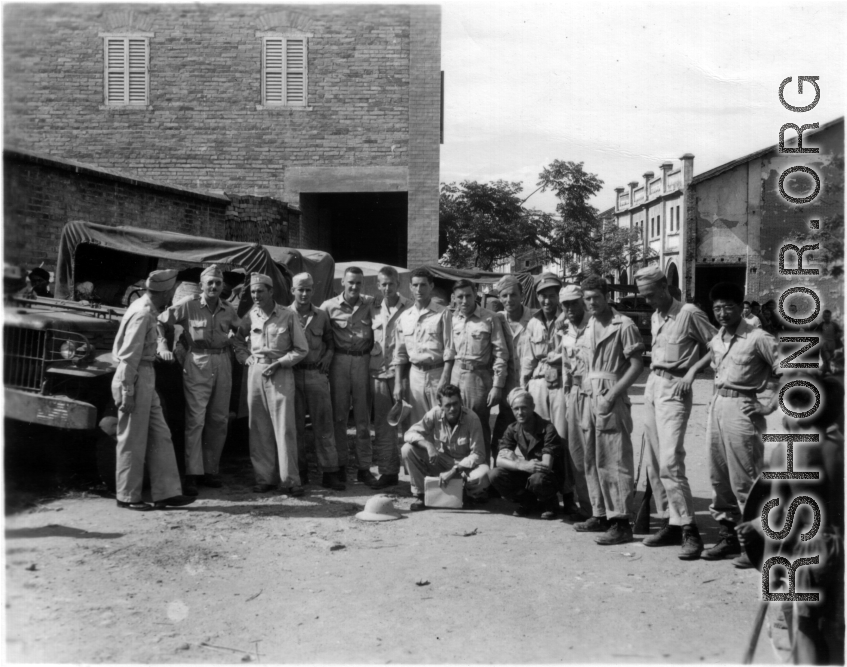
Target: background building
(334, 110)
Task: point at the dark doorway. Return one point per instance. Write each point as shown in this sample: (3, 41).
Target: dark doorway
(673, 275)
(359, 226)
(706, 277)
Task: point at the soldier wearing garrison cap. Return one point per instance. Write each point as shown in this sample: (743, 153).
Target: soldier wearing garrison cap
(143, 434)
(207, 322)
(681, 335)
(311, 382)
(270, 342)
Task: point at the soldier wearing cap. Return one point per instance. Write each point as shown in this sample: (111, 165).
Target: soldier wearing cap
(573, 371)
(478, 355)
(352, 315)
(611, 348)
(143, 435)
(387, 438)
(743, 359)
(421, 338)
(276, 344)
(39, 283)
(681, 335)
(516, 316)
(311, 382)
(207, 322)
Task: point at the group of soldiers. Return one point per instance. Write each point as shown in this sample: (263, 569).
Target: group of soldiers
(559, 376)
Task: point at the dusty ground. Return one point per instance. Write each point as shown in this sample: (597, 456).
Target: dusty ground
(241, 577)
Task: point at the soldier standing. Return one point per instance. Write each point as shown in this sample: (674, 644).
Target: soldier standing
(611, 347)
(516, 316)
(478, 356)
(352, 315)
(311, 384)
(207, 321)
(422, 337)
(387, 438)
(276, 344)
(143, 434)
(681, 335)
(743, 358)
(573, 373)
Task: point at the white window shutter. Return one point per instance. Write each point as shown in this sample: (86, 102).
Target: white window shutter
(116, 79)
(127, 78)
(137, 70)
(295, 72)
(273, 71)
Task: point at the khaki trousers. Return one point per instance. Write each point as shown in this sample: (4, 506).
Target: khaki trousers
(273, 434)
(418, 465)
(311, 394)
(349, 381)
(144, 439)
(387, 438)
(736, 455)
(475, 386)
(576, 446)
(423, 391)
(207, 383)
(666, 449)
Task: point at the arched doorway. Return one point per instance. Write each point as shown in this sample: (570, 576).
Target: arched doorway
(673, 275)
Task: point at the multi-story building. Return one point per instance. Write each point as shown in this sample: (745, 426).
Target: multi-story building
(332, 109)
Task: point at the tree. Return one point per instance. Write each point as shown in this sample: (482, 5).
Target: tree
(483, 223)
(830, 234)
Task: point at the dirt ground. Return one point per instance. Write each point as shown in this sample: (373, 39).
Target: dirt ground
(240, 577)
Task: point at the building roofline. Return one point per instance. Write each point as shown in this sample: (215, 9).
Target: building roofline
(706, 175)
(108, 174)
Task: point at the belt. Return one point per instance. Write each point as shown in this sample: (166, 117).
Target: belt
(576, 381)
(145, 362)
(733, 393)
(208, 350)
(428, 367)
(339, 350)
(262, 359)
(471, 365)
(668, 375)
(303, 366)
(602, 375)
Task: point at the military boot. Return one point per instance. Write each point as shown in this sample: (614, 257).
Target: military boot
(692, 543)
(726, 546)
(666, 536)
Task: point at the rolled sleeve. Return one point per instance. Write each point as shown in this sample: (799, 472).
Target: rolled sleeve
(401, 354)
(509, 442)
(421, 430)
(500, 351)
(449, 342)
(477, 443)
(552, 441)
(767, 348)
(701, 329)
(631, 340)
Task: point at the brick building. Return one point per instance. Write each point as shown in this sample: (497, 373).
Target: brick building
(332, 109)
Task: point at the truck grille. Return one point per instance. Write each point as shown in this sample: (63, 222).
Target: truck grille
(24, 356)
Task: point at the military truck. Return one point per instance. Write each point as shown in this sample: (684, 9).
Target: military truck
(57, 352)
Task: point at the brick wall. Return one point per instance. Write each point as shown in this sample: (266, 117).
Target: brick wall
(424, 128)
(260, 220)
(41, 194)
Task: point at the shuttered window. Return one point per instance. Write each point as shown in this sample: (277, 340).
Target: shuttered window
(127, 77)
(284, 71)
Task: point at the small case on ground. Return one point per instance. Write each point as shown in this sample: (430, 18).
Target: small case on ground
(448, 497)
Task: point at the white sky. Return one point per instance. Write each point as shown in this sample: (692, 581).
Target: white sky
(624, 87)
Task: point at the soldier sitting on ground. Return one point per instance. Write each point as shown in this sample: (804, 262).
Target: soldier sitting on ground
(535, 479)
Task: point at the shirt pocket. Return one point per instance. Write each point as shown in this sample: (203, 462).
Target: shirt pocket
(479, 338)
(279, 337)
(463, 447)
(341, 322)
(743, 358)
(538, 344)
(315, 335)
(198, 329)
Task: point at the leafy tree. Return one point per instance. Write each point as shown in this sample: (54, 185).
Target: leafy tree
(830, 235)
(483, 223)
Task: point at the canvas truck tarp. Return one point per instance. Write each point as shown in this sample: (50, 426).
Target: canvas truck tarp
(88, 251)
(319, 265)
(447, 275)
(370, 271)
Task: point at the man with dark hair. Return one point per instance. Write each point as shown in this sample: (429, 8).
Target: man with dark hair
(387, 438)
(478, 355)
(743, 358)
(39, 282)
(536, 477)
(352, 316)
(448, 442)
(421, 338)
(749, 317)
(515, 316)
(681, 335)
(611, 348)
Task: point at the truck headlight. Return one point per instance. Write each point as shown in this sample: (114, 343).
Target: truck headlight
(68, 349)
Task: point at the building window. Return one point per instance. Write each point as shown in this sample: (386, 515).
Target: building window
(284, 71)
(677, 218)
(127, 75)
(658, 225)
(670, 226)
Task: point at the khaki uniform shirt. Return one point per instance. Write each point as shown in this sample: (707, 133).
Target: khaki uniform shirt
(204, 328)
(385, 338)
(517, 330)
(135, 342)
(421, 335)
(479, 340)
(745, 360)
(541, 348)
(278, 336)
(573, 364)
(679, 336)
(352, 326)
(462, 442)
(318, 331)
(607, 357)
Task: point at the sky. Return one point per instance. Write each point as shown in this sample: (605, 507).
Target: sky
(624, 87)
